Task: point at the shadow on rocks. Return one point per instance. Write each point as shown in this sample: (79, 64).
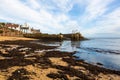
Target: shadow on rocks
(92, 68)
(57, 76)
(7, 63)
(73, 72)
(28, 44)
(19, 74)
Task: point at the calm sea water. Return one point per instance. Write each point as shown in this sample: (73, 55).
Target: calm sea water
(104, 51)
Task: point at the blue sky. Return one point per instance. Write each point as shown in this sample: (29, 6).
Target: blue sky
(93, 18)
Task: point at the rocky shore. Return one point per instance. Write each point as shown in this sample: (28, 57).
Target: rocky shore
(23, 60)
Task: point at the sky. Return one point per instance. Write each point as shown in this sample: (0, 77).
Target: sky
(92, 18)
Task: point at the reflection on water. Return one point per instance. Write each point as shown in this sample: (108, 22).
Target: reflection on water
(104, 51)
(69, 46)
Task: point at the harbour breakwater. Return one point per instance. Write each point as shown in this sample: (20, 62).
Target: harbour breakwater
(56, 37)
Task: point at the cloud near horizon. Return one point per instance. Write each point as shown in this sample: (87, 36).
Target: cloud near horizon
(91, 17)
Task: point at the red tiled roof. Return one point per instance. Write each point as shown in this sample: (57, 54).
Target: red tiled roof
(11, 25)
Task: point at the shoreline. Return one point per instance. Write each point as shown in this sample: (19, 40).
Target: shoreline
(23, 60)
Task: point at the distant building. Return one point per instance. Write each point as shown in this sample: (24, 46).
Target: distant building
(11, 25)
(9, 29)
(35, 30)
(24, 28)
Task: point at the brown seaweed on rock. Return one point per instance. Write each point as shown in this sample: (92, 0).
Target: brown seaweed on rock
(28, 44)
(92, 68)
(19, 74)
(58, 76)
(7, 63)
(73, 72)
(17, 57)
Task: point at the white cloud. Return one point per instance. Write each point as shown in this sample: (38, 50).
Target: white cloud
(33, 4)
(109, 23)
(42, 14)
(94, 9)
(24, 13)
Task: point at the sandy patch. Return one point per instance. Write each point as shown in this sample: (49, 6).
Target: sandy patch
(1, 57)
(4, 74)
(40, 74)
(102, 76)
(3, 38)
(37, 66)
(58, 61)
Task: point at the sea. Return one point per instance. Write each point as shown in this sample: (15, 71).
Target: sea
(105, 51)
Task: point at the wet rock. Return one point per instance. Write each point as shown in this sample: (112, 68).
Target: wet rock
(72, 72)
(4, 46)
(26, 43)
(43, 62)
(58, 54)
(99, 64)
(18, 61)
